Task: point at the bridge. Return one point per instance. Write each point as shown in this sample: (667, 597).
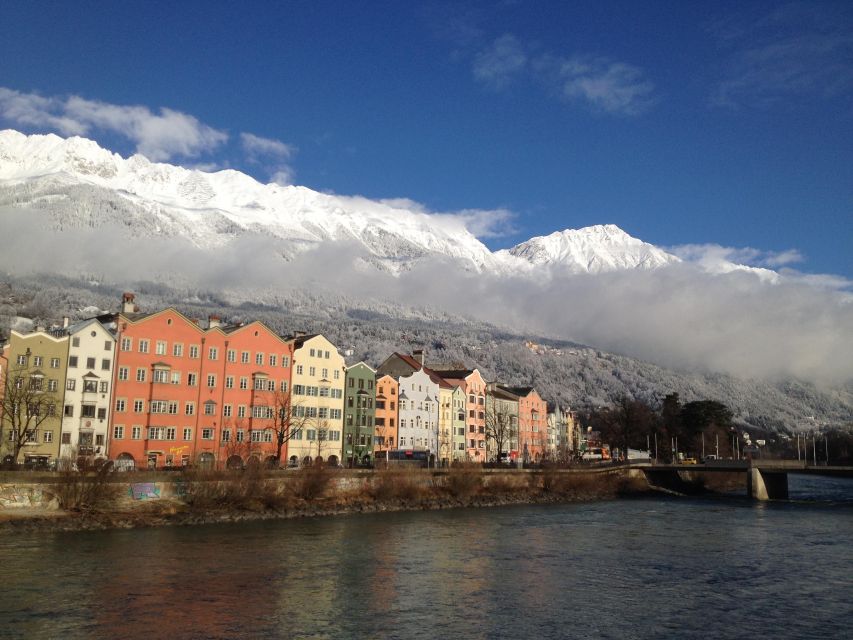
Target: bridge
(765, 479)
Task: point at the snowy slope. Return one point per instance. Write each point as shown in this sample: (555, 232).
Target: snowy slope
(592, 250)
(78, 184)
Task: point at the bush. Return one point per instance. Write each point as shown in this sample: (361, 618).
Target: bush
(397, 484)
(312, 483)
(250, 490)
(464, 480)
(503, 485)
(86, 490)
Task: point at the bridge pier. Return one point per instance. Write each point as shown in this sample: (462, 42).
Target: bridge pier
(766, 485)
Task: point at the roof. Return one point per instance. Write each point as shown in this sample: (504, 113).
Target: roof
(519, 391)
(458, 374)
(434, 376)
(298, 341)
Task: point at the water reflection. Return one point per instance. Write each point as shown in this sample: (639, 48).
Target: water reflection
(643, 568)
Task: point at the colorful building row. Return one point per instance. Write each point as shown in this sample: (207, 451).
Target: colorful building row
(159, 390)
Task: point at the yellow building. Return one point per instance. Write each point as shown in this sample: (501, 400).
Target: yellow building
(33, 389)
(317, 388)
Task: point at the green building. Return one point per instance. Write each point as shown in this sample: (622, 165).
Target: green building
(359, 414)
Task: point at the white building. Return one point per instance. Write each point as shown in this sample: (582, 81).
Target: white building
(88, 391)
(419, 412)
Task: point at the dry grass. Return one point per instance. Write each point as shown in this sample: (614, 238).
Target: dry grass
(249, 490)
(464, 481)
(86, 490)
(398, 484)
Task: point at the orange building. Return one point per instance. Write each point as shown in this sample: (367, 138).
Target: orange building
(187, 395)
(471, 381)
(532, 423)
(385, 437)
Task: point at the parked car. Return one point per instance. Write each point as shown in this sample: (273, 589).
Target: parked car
(690, 461)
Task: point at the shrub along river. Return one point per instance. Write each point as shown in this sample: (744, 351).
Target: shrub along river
(632, 568)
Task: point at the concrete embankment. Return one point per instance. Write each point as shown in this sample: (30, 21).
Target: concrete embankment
(66, 502)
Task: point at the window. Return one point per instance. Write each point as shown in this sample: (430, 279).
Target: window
(270, 385)
(177, 350)
(335, 414)
(336, 374)
(70, 384)
(54, 363)
(189, 409)
(226, 435)
(138, 406)
(136, 432)
(105, 364)
(121, 405)
(126, 344)
(272, 360)
(140, 375)
(260, 384)
(194, 351)
(210, 408)
(87, 411)
(69, 411)
(244, 357)
(158, 406)
(207, 433)
(244, 382)
(90, 386)
(170, 433)
(72, 361)
(324, 373)
(312, 352)
(211, 380)
(229, 382)
(108, 345)
(285, 361)
(241, 411)
(161, 376)
(143, 345)
(123, 373)
(226, 411)
(160, 348)
(212, 353)
(176, 377)
(259, 358)
(22, 360)
(326, 355)
(75, 341)
(231, 355)
(118, 432)
(173, 407)
(48, 436)
(188, 433)
(241, 435)
(312, 371)
(284, 385)
(192, 379)
(52, 385)
(299, 369)
(156, 433)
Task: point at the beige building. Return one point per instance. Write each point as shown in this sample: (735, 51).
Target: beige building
(33, 389)
(88, 392)
(317, 392)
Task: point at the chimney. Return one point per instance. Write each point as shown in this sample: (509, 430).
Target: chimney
(127, 304)
(64, 322)
(418, 354)
(213, 321)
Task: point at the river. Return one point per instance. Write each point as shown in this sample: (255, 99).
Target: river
(634, 568)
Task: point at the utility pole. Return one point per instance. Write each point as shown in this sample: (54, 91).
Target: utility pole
(814, 450)
(717, 446)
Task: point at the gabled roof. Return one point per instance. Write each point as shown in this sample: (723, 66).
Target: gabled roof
(415, 365)
(364, 364)
(519, 391)
(298, 341)
(503, 393)
(456, 374)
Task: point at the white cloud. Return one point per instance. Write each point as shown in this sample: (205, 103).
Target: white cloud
(606, 85)
(487, 223)
(158, 136)
(796, 50)
(271, 153)
(496, 65)
(257, 147)
(613, 87)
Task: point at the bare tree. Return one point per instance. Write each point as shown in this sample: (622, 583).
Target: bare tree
(501, 426)
(288, 419)
(26, 404)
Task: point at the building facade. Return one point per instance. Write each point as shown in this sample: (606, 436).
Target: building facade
(418, 411)
(88, 393)
(359, 414)
(385, 434)
(318, 400)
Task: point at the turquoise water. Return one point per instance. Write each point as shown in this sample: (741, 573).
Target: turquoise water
(645, 568)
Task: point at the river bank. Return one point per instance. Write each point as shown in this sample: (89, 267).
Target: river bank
(81, 502)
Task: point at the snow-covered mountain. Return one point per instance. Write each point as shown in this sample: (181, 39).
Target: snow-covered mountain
(78, 184)
(592, 250)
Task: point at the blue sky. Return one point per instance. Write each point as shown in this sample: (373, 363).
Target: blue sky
(726, 123)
